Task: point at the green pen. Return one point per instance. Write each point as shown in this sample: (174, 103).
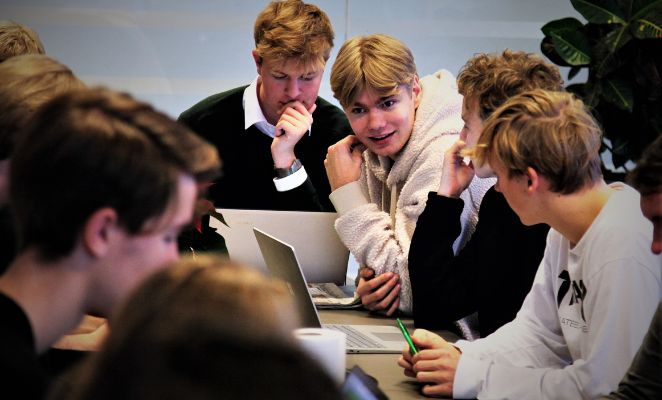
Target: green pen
(412, 346)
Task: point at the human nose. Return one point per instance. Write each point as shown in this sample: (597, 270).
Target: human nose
(292, 88)
(376, 120)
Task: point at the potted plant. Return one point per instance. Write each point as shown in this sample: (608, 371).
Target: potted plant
(621, 47)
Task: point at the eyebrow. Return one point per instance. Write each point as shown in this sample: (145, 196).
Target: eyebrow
(277, 71)
(381, 99)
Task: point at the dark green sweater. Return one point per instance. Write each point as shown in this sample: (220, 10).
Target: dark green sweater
(248, 170)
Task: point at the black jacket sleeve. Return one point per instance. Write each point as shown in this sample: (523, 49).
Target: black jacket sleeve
(491, 275)
(439, 280)
(303, 198)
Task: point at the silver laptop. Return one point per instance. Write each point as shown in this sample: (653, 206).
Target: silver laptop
(282, 262)
(322, 255)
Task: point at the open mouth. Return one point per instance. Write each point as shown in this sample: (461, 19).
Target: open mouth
(382, 137)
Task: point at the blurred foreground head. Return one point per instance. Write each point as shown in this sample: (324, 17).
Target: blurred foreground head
(205, 328)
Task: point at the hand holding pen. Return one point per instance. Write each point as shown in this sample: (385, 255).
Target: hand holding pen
(456, 173)
(434, 365)
(412, 347)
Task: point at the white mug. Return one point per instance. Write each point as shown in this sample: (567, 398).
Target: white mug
(327, 347)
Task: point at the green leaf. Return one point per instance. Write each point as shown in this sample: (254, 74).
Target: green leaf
(604, 59)
(639, 5)
(619, 93)
(599, 11)
(631, 7)
(650, 7)
(563, 24)
(573, 72)
(549, 50)
(609, 63)
(615, 39)
(647, 29)
(572, 46)
(648, 26)
(592, 96)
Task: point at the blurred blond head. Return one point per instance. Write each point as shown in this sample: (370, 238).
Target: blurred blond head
(27, 82)
(204, 328)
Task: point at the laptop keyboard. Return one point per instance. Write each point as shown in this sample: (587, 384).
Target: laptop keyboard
(356, 339)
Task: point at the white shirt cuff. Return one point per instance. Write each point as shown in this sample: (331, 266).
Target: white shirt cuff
(469, 377)
(292, 181)
(348, 197)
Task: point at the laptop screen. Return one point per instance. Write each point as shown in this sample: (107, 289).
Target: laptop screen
(322, 256)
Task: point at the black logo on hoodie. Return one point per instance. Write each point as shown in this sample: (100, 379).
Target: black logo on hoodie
(578, 291)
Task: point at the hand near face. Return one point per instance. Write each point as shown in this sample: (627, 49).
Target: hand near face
(343, 162)
(435, 364)
(456, 175)
(295, 120)
(88, 336)
(381, 293)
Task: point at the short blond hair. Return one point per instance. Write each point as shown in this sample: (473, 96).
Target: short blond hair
(16, 40)
(27, 82)
(494, 78)
(551, 132)
(292, 29)
(378, 62)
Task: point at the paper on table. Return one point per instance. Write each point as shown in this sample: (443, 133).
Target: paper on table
(329, 295)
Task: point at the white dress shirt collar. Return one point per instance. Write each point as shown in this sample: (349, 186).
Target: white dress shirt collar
(253, 114)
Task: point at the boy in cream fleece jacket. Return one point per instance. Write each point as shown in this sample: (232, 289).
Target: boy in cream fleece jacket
(380, 177)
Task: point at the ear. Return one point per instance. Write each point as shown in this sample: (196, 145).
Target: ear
(416, 91)
(258, 61)
(98, 231)
(533, 180)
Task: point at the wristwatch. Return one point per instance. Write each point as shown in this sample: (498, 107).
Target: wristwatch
(283, 172)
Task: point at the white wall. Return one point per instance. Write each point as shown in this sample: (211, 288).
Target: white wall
(173, 53)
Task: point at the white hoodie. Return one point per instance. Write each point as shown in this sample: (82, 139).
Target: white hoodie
(582, 322)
